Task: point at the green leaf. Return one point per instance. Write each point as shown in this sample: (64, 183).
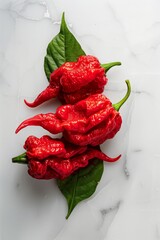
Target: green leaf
(82, 184)
(63, 48)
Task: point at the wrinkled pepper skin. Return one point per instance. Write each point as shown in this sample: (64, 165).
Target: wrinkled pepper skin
(74, 81)
(99, 134)
(41, 148)
(52, 158)
(90, 121)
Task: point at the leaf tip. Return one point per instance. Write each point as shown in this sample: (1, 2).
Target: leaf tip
(67, 216)
(70, 209)
(63, 16)
(63, 23)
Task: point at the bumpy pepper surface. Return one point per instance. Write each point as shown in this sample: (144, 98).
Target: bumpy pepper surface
(74, 81)
(49, 158)
(90, 121)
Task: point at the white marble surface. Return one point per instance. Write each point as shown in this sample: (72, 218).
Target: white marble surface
(126, 205)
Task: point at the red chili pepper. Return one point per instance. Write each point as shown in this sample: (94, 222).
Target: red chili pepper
(87, 122)
(90, 121)
(74, 81)
(62, 168)
(80, 117)
(49, 158)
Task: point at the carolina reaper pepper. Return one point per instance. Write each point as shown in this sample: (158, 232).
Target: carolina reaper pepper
(49, 158)
(90, 121)
(74, 81)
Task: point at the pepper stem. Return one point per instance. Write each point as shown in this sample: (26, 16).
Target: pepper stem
(22, 158)
(118, 105)
(107, 66)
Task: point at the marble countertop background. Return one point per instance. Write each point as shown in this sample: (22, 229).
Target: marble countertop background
(126, 204)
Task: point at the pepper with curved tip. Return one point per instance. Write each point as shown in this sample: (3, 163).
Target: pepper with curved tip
(49, 158)
(74, 81)
(47, 94)
(90, 121)
(62, 168)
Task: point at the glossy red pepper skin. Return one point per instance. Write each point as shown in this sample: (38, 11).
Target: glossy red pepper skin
(99, 134)
(74, 81)
(41, 148)
(51, 158)
(90, 121)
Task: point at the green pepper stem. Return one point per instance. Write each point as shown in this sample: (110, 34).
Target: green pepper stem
(22, 158)
(107, 66)
(118, 105)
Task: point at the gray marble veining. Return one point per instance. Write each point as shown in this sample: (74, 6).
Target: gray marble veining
(126, 204)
